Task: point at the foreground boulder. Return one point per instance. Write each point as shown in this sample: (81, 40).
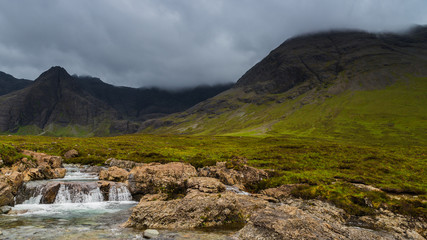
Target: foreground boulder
(115, 174)
(156, 178)
(241, 175)
(313, 219)
(195, 210)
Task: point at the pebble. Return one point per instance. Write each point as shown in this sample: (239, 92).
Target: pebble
(151, 233)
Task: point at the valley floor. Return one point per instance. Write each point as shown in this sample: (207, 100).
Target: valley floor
(339, 172)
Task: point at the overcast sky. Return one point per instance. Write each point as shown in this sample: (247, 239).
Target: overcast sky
(174, 43)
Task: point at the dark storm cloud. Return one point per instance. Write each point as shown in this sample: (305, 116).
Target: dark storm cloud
(173, 43)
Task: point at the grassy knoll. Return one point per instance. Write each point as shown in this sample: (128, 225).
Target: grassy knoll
(327, 167)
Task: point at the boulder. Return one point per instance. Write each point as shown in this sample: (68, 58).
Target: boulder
(280, 193)
(44, 159)
(112, 162)
(33, 174)
(14, 179)
(293, 222)
(6, 196)
(49, 193)
(5, 210)
(23, 164)
(71, 154)
(156, 178)
(150, 233)
(241, 175)
(205, 184)
(195, 210)
(59, 172)
(402, 227)
(115, 174)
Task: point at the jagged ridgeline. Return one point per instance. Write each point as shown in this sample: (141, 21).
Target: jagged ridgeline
(63, 105)
(345, 84)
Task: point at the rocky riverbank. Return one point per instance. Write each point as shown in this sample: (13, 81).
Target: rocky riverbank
(36, 166)
(178, 196)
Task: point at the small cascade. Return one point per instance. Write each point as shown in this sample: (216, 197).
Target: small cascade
(78, 186)
(79, 193)
(119, 192)
(36, 196)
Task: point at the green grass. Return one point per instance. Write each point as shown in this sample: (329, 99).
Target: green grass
(319, 163)
(395, 114)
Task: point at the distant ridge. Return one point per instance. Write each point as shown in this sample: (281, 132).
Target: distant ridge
(9, 84)
(339, 84)
(63, 105)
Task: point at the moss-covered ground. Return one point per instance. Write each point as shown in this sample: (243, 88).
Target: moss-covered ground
(327, 167)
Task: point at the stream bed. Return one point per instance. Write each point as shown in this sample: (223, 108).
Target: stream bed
(80, 212)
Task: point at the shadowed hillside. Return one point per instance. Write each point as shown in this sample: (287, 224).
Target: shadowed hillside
(59, 104)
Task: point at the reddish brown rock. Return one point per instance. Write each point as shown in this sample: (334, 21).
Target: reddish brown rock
(44, 159)
(115, 174)
(6, 196)
(241, 175)
(196, 209)
(205, 184)
(156, 178)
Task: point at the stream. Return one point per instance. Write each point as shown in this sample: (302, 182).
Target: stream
(79, 211)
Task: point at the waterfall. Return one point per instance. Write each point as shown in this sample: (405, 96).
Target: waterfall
(76, 187)
(70, 194)
(119, 192)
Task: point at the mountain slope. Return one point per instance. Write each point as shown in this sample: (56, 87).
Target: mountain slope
(9, 84)
(59, 104)
(54, 99)
(352, 85)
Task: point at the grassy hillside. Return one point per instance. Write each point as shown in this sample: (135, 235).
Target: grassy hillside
(394, 114)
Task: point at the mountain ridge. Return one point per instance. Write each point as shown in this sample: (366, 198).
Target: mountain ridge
(332, 71)
(59, 104)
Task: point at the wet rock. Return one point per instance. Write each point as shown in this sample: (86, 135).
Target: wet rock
(293, 222)
(6, 196)
(241, 175)
(112, 162)
(195, 210)
(205, 184)
(156, 178)
(5, 209)
(114, 174)
(71, 154)
(49, 193)
(150, 233)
